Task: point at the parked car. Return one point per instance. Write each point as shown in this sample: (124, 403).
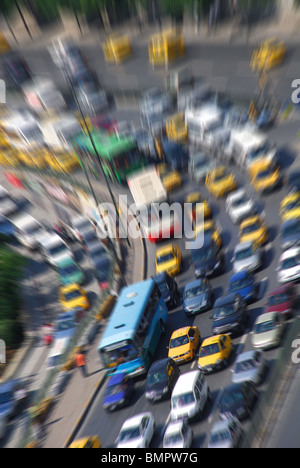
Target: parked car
(268, 330)
(229, 315)
(238, 400)
(225, 434)
(136, 432)
(250, 366)
(161, 379)
(197, 296)
(178, 434)
(118, 391)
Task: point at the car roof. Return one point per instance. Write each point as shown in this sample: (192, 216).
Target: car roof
(290, 253)
(161, 364)
(166, 249)
(180, 332)
(185, 382)
(116, 379)
(194, 284)
(239, 275)
(135, 420)
(245, 356)
(211, 340)
(236, 195)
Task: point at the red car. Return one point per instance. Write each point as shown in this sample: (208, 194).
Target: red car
(282, 300)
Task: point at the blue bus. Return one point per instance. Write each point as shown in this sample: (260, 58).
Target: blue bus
(134, 329)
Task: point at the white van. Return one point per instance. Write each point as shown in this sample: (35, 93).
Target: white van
(54, 249)
(189, 396)
(28, 230)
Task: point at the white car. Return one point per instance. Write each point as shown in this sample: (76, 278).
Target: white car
(225, 434)
(136, 432)
(247, 256)
(289, 266)
(268, 330)
(178, 435)
(239, 206)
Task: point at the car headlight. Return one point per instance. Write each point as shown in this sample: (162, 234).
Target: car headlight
(165, 390)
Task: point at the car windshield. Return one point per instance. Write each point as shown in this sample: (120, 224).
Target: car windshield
(220, 436)
(245, 366)
(232, 397)
(58, 250)
(65, 325)
(114, 389)
(200, 163)
(258, 153)
(240, 284)
(165, 258)
(183, 400)
(179, 341)
(291, 229)
(221, 175)
(290, 263)
(224, 311)
(130, 433)
(68, 270)
(6, 397)
(239, 202)
(251, 228)
(69, 296)
(194, 292)
(154, 378)
(209, 350)
(278, 299)
(173, 439)
(244, 253)
(264, 174)
(265, 327)
(203, 254)
(291, 206)
(34, 229)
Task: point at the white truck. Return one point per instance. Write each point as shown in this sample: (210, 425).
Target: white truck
(158, 219)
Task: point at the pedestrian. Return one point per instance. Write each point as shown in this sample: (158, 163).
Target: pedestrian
(81, 363)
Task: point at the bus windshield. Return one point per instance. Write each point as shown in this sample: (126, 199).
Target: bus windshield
(119, 353)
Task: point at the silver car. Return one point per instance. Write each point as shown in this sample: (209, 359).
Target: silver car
(268, 330)
(250, 365)
(225, 434)
(247, 256)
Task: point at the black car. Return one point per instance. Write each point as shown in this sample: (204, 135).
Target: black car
(238, 400)
(17, 69)
(161, 379)
(168, 288)
(208, 260)
(229, 315)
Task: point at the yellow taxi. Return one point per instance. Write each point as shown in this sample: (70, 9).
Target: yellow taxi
(208, 228)
(63, 162)
(220, 181)
(265, 176)
(184, 344)
(270, 53)
(37, 158)
(117, 48)
(162, 169)
(9, 158)
(214, 353)
(165, 47)
(171, 181)
(168, 259)
(254, 229)
(195, 198)
(290, 207)
(176, 128)
(86, 442)
(73, 297)
(4, 44)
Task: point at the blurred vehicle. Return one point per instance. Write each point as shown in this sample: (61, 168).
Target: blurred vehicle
(243, 283)
(4, 44)
(176, 128)
(265, 176)
(7, 206)
(290, 234)
(118, 391)
(62, 162)
(250, 366)
(247, 256)
(73, 297)
(168, 259)
(13, 396)
(238, 400)
(43, 95)
(178, 434)
(168, 288)
(268, 330)
(161, 379)
(95, 249)
(28, 230)
(7, 229)
(208, 259)
(92, 102)
(282, 300)
(225, 434)
(103, 271)
(189, 397)
(219, 182)
(197, 297)
(54, 249)
(64, 329)
(290, 207)
(229, 315)
(270, 53)
(288, 268)
(254, 229)
(69, 271)
(206, 126)
(171, 181)
(200, 164)
(165, 47)
(183, 344)
(210, 231)
(79, 225)
(155, 101)
(86, 442)
(17, 69)
(172, 153)
(198, 206)
(239, 206)
(214, 353)
(136, 432)
(117, 48)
